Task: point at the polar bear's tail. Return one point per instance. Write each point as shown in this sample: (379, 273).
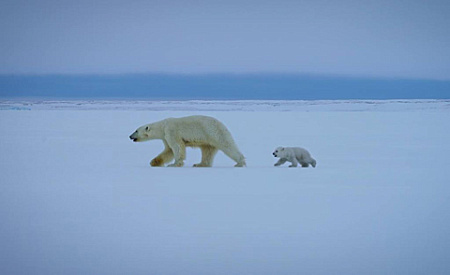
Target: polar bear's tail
(313, 162)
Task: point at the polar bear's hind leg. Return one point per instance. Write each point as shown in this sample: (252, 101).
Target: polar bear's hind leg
(235, 155)
(208, 153)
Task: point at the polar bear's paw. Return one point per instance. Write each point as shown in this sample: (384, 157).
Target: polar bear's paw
(201, 165)
(176, 164)
(240, 164)
(157, 162)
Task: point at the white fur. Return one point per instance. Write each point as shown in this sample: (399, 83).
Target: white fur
(294, 155)
(207, 133)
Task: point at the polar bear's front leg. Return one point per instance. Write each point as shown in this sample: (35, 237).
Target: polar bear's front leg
(179, 152)
(164, 157)
(280, 161)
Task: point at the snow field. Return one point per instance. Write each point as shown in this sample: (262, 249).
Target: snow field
(78, 197)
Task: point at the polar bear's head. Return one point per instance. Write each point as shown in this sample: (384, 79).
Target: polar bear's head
(279, 152)
(142, 133)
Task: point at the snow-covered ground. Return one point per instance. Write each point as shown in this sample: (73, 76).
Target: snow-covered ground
(78, 197)
(231, 105)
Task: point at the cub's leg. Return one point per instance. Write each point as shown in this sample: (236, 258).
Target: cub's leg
(303, 161)
(280, 162)
(294, 162)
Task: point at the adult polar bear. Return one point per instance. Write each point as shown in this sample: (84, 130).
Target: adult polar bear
(207, 133)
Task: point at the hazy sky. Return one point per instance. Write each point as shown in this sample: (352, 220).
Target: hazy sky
(370, 38)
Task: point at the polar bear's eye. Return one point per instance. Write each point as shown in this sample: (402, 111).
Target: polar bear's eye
(146, 128)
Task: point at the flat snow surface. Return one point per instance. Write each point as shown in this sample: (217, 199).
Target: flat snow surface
(78, 197)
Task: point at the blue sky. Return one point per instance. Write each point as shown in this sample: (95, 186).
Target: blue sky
(394, 39)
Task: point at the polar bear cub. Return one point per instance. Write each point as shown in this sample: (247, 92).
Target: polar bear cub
(294, 155)
(207, 133)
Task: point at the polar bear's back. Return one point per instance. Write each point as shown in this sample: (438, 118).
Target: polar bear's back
(200, 129)
(204, 124)
(299, 151)
(198, 120)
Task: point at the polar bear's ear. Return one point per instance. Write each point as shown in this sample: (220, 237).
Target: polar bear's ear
(282, 149)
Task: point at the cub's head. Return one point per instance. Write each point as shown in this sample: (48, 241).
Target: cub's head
(279, 152)
(141, 134)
